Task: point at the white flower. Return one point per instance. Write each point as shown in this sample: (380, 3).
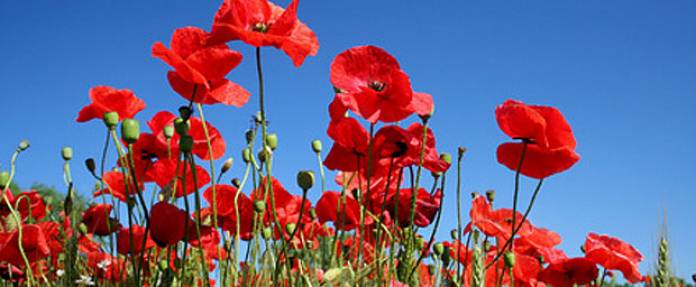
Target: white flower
(104, 264)
(84, 280)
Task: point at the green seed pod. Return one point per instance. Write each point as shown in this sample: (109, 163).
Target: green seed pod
(420, 243)
(305, 179)
(185, 112)
(436, 175)
(509, 259)
(272, 141)
(316, 146)
(168, 131)
(66, 153)
(83, 228)
(249, 135)
(23, 145)
(186, 144)
(267, 233)
(91, 166)
(490, 195)
(453, 234)
(290, 228)
(181, 126)
(438, 248)
(130, 130)
(4, 179)
(111, 119)
(259, 206)
(226, 165)
(446, 157)
(246, 155)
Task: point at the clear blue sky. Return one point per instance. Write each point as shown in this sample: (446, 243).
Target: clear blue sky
(623, 73)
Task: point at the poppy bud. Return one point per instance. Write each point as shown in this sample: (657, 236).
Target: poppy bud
(226, 165)
(446, 157)
(474, 195)
(267, 233)
(111, 119)
(461, 152)
(420, 242)
(316, 146)
(91, 166)
(454, 234)
(66, 153)
(582, 249)
(490, 195)
(435, 174)
(439, 248)
(249, 136)
(163, 265)
(305, 179)
(258, 118)
(264, 154)
(130, 130)
(4, 179)
(272, 141)
(509, 259)
(235, 182)
(259, 206)
(185, 112)
(23, 145)
(290, 228)
(168, 131)
(186, 144)
(83, 228)
(181, 126)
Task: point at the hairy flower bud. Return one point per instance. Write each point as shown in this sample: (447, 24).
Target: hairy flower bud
(290, 228)
(267, 233)
(509, 259)
(66, 153)
(226, 165)
(259, 206)
(249, 136)
(439, 248)
(446, 157)
(111, 119)
(130, 130)
(185, 112)
(461, 152)
(316, 146)
(453, 234)
(91, 166)
(235, 181)
(264, 154)
(272, 141)
(246, 155)
(490, 195)
(305, 179)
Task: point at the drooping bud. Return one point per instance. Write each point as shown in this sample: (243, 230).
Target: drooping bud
(168, 131)
(259, 206)
(91, 166)
(290, 228)
(130, 130)
(235, 181)
(111, 119)
(316, 146)
(185, 112)
(267, 233)
(436, 174)
(23, 145)
(474, 195)
(264, 154)
(226, 165)
(4, 179)
(272, 141)
(461, 152)
(490, 195)
(305, 179)
(181, 126)
(185, 143)
(66, 153)
(246, 155)
(438, 248)
(453, 234)
(249, 135)
(446, 157)
(509, 259)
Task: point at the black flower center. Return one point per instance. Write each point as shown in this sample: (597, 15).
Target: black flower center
(377, 86)
(260, 27)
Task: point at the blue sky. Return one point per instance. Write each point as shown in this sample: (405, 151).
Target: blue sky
(623, 73)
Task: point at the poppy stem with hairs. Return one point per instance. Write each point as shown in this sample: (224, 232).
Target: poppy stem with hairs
(517, 229)
(516, 194)
(16, 216)
(298, 226)
(378, 254)
(435, 227)
(131, 167)
(212, 175)
(105, 150)
(414, 191)
(188, 212)
(197, 198)
(460, 155)
(366, 196)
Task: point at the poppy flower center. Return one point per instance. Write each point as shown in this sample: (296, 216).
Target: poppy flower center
(377, 86)
(260, 27)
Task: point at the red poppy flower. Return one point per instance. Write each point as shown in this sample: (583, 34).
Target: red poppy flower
(370, 83)
(496, 223)
(262, 23)
(423, 104)
(614, 254)
(201, 68)
(107, 99)
(105, 266)
(431, 159)
(168, 223)
(54, 237)
(427, 206)
(329, 209)
(144, 151)
(97, 220)
(123, 244)
(116, 186)
(200, 146)
(33, 243)
(209, 241)
(27, 203)
(569, 272)
(225, 198)
(164, 171)
(549, 139)
(287, 206)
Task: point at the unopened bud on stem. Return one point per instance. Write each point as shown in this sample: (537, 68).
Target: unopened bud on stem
(66, 153)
